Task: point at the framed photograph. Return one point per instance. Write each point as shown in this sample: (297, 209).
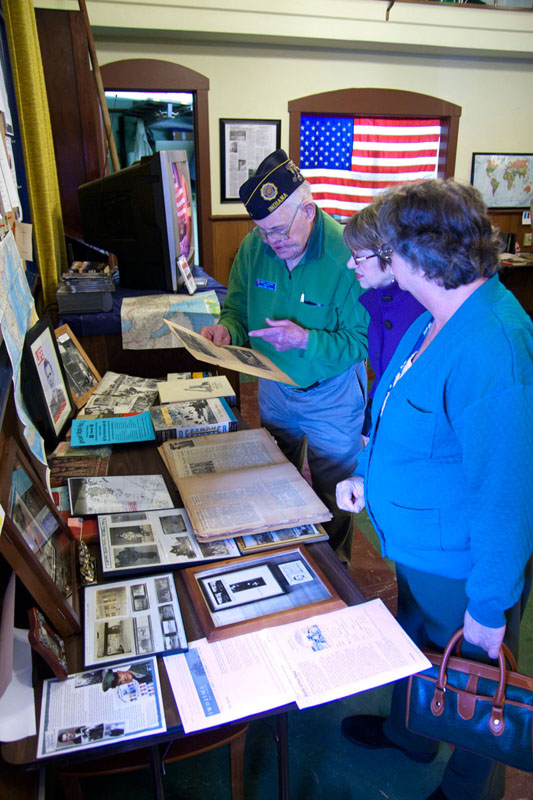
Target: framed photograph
(504, 179)
(244, 143)
(258, 591)
(37, 542)
(82, 375)
(44, 383)
(47, 644)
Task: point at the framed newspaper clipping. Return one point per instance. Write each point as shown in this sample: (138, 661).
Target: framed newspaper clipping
(258, 591)
(244, 143)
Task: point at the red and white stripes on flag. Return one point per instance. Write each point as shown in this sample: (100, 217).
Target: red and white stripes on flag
(349, 161)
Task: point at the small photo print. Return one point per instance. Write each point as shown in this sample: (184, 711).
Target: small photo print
(142, 556)
(139, 597)
(173, 524)
(163, 590)
(143, 635)
(131, 534)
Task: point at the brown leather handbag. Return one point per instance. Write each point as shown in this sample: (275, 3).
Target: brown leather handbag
(485, 709)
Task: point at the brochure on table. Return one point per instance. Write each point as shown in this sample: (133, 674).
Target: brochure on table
(310, 662)
(128, 619)
(99, 707)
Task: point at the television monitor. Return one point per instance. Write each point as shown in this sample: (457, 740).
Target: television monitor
(144, 215)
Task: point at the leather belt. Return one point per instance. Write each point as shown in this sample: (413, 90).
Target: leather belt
(307, 388)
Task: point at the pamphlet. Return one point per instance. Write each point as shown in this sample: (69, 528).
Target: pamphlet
(196, 389)
(127, 619)
(117, 430)
(242, 359)
(151, 539)
(99, 707)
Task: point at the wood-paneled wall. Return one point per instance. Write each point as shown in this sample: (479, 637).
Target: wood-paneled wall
(510, 221)
(228, 232)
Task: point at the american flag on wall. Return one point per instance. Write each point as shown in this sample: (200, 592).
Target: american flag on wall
(350, 160)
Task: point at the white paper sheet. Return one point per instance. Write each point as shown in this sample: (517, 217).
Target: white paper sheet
(335, 655)
(314, 661)
(17, 704)
(224, 681)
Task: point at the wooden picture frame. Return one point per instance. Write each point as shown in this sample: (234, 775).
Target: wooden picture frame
(47, 644)
(44, 383)
(244, 143)
(82, 375)
(227, 595)
(504, 179)
(37, 542)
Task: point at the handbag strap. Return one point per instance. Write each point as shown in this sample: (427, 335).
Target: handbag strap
(496, 721)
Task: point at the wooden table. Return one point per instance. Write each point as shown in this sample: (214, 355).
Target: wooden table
(139, 459)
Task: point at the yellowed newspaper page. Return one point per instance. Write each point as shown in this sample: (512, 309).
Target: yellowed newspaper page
(242, 359)
(225, 452)
(257, 499)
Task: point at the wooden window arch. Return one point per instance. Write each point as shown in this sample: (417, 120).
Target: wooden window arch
(144, 74)
(380, 103)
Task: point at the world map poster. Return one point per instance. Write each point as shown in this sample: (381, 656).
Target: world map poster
(504, 180)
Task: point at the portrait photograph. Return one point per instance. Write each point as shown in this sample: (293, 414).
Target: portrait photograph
(44, 383)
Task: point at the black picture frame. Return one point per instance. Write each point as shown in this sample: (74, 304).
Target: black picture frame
(495, 175)
(244, 143)
(44, 383)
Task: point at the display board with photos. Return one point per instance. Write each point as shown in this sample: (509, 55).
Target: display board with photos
(44, 383)
(258, 591)
(101, 706)
(131, 619)
(37, 542)
(269, 540)
(149, 540)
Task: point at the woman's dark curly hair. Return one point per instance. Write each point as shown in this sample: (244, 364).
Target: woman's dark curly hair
(443, 228)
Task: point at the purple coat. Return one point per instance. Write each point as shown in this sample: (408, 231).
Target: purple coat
(391, 311)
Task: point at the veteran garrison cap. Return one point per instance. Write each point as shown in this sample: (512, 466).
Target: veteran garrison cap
(275, 179)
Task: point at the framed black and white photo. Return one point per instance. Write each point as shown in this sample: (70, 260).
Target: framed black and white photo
(82, 375)
(44, 383)
(504, 179)
(235, 597)
(244, 143)
(37, 542)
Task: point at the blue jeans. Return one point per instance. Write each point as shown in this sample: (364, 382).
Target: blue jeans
(323, 423)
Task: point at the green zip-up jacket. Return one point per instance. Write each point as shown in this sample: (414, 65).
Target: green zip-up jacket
(320, 294)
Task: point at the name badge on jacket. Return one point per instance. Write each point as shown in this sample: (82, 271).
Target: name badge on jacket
(261, 284)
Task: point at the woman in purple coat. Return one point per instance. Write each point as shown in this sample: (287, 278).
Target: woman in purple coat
(391, 309)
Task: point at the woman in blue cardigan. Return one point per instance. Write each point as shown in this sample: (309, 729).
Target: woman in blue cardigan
(446, 476)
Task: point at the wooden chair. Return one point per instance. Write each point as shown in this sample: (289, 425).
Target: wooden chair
(191, 745)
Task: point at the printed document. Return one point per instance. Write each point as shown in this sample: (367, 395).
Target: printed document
(309, 662)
